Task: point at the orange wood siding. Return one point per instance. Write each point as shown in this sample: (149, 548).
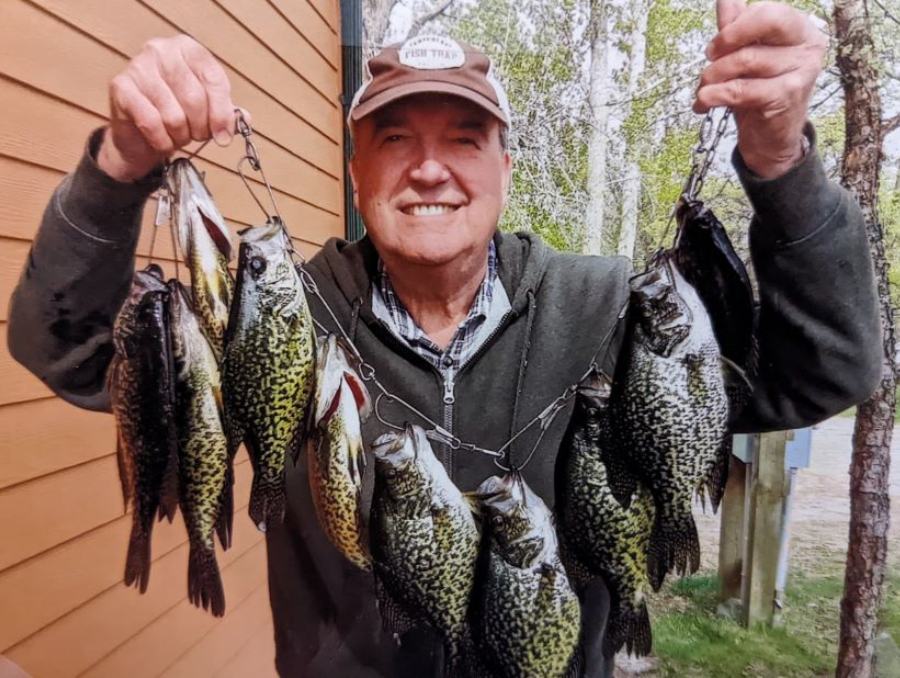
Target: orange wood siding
(64, 531)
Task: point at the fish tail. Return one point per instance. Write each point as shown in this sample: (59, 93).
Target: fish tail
(266, 502)
(204, 581)
(225, 517)
(168, 493)
(629, 627)
(622, 482)
(674, 547)
(137, 561)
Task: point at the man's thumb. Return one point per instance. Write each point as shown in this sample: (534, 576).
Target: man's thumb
(728, 10)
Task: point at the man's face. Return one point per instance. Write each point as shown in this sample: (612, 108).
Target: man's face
(431, 177)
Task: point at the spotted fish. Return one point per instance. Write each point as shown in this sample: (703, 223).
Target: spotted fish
(141, 382)
(336, 457)
(668, 412)
(269, 365)
(705, 256)
(424, 540)
(527, 616)
(603, 538)
(203, 452)
(205, 245)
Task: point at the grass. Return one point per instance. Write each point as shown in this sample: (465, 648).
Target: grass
(692, 641)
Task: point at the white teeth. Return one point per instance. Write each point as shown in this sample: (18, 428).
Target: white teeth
(428, 210)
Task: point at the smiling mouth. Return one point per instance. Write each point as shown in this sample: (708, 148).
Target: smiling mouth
(429, 210)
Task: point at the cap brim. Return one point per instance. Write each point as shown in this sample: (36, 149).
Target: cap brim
(426, 86)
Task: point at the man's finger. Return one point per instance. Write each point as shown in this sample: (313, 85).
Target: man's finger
(766, 95)
(766, 23)
(728, 10)
(755, 61)
(129, 103)
(218, 91)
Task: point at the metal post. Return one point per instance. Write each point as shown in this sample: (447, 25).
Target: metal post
(352, 72)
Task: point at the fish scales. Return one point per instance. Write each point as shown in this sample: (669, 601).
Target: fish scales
(205, 245)
(336, 457)
(203, 460)
(668, 412)
(527, 614)
(141, 386)
(424, 540)
(708, 261)
(268, 366)
(602, 537)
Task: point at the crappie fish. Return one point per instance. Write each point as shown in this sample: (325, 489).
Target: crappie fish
(604, 538)
(203, 452)
(269, 365)
(423, 538)
(336, 457)
(705, 256)
(205, 245)
(669, 412)
(527, 615)
(141, 382)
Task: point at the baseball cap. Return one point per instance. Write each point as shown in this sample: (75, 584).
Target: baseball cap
(430, 63)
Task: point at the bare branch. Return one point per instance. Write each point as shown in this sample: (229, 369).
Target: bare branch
(420, 22)
(889, 125)
(886, 12)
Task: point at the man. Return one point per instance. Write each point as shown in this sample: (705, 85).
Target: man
(479, 330)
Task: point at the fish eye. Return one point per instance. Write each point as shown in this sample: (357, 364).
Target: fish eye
(257, 266)
(392, 473)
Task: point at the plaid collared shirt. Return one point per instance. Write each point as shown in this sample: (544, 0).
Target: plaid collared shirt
(464, 342)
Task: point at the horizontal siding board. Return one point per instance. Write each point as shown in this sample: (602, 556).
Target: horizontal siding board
(19, 385)
(213, 651)
(58, 507)
(53, 583)
(274, 33)
(228, 39)
(256, 658)
(307, 22)
(90, 632)
(147, 653)
(42, 131)
(328, 10)
(45, 436)
(123, 32)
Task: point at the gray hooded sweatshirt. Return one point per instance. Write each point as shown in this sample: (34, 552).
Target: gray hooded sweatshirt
(819, 338)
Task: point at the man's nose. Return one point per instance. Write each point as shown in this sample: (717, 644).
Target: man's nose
(430, 172)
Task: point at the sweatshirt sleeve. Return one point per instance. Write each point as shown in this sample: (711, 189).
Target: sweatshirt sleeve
(76, 278)
(819, 326)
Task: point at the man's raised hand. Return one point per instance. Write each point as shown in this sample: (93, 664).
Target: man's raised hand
(765, 61)
(171, 93)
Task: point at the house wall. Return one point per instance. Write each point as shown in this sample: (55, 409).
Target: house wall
(64, 530)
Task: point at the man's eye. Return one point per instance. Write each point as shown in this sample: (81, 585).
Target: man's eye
(393, 138)
(468, 141)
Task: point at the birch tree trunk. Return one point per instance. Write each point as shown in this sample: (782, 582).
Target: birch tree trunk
(631, 190)
(869, 498)
(599, 113)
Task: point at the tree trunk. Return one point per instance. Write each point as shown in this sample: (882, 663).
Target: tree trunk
(376, 15)
(631, 190)
(869, 498)
(599, 115)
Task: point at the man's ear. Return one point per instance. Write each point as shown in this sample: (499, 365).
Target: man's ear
(507, 175)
